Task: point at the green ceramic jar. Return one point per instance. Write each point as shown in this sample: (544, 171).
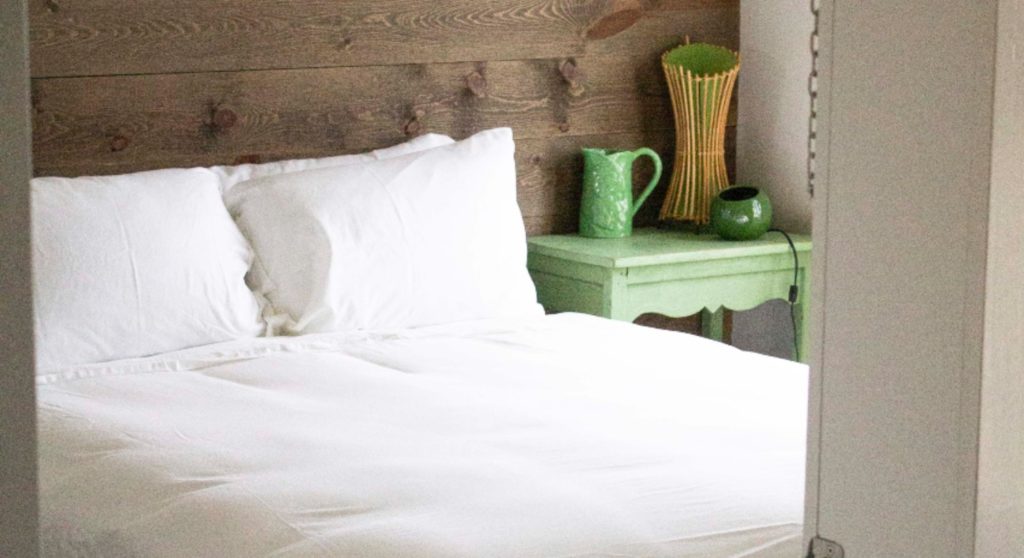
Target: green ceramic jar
(741, 213)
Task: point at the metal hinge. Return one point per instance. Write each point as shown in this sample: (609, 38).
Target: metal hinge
(824, 548)
(812, 90)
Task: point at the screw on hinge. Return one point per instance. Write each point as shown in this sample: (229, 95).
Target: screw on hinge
(824, 548)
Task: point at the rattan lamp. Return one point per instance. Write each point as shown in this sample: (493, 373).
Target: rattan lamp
(701, 78)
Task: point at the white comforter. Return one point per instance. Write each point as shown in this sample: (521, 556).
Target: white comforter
(558, 436)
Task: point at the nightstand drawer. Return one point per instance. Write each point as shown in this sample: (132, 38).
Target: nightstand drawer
(564, 294)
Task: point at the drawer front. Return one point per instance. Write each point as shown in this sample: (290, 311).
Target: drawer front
(564, 294)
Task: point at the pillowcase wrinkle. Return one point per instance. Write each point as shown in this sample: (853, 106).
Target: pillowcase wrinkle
(421, 239)
(137, 264)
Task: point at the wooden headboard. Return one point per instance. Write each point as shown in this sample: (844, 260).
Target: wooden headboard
(122, 86)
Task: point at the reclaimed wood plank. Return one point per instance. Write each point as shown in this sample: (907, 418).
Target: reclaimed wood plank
(120, 123)
(110, 37)
(667, 22)
(101, 37)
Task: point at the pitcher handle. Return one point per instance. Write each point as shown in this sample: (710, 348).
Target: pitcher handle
(654, 179)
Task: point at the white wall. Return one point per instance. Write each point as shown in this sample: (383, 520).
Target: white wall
(771, 142)
(774, 106)
(901, 227)
(1000, 527)
(18, 507)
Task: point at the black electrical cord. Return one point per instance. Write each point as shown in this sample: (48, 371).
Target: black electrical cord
(794, 289)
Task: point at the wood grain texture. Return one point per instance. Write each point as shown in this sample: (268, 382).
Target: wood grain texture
(107, 37)
(665, 24)
(130, 122)
(126, 86)
(115, 124)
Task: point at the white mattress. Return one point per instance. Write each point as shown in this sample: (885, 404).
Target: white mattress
(558, 436)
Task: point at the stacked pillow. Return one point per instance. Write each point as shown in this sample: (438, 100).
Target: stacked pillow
(425, 238)
(422, 233)
(231, 175)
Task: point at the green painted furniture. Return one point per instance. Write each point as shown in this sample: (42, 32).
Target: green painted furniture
(606, 206)
(669, 272)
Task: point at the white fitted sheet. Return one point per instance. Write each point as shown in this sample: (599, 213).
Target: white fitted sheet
(553, 436)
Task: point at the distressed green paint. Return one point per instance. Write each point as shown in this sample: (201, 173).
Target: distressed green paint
(712, 323)
(669, 272)
(607, 207)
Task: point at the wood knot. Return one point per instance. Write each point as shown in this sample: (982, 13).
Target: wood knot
(345, 44)
(535, 159)
(563, 127)
(52, 6)
(573, 76)
(118, 143)
(224, 118)
(413, 126)
(477, 84)
(621, 15)
(218, 119)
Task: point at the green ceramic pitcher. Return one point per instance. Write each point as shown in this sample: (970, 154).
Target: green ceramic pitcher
(607, 207)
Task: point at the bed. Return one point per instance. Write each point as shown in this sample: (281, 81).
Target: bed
(313, 423)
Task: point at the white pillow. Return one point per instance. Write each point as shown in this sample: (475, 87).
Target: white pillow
(231, 175)
(426, 238)
(133, 265)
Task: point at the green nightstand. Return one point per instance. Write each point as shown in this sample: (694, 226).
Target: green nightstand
(669, 272)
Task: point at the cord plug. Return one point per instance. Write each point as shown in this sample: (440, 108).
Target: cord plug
(794, 294)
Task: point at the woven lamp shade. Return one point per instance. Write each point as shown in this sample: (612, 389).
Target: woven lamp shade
(701, 79)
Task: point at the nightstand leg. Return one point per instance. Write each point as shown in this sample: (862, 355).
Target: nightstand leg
(712, 323)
